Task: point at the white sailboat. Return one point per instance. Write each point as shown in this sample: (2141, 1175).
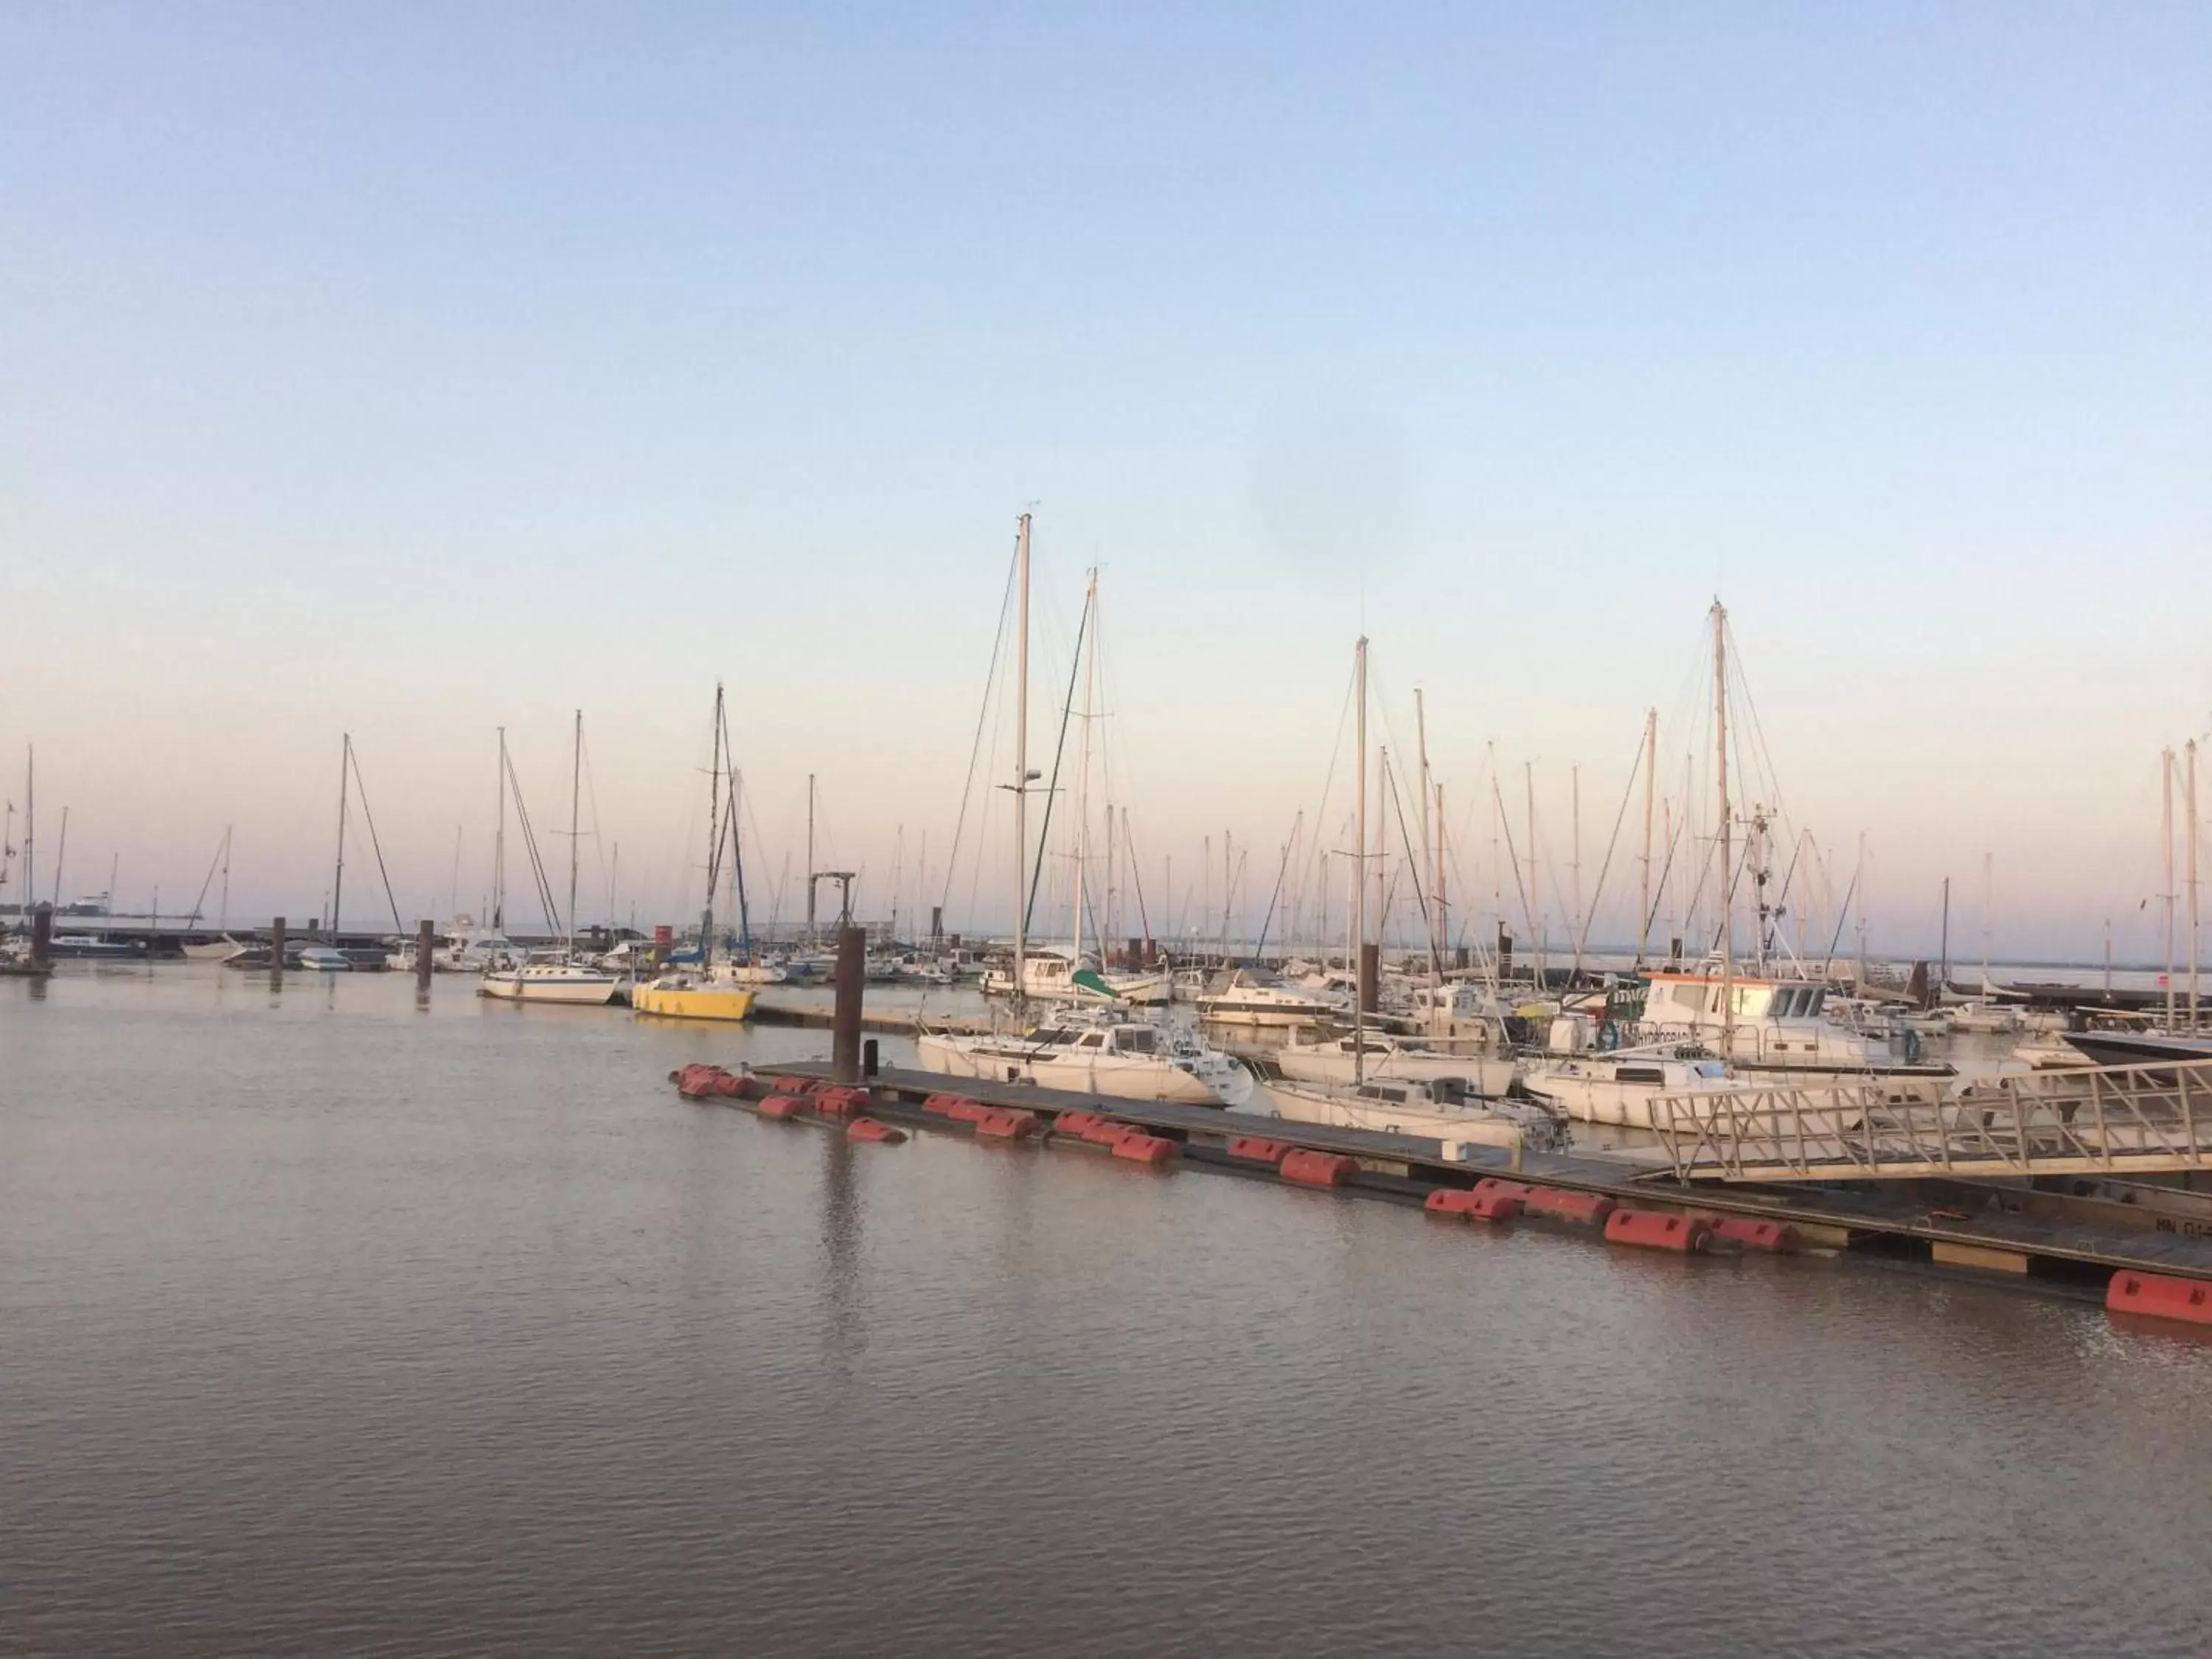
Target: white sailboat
(1379, 1055)
(1101, 1054)
(1246, 1000)
(553, 977)
(1401, 1105)
(1622, 1087)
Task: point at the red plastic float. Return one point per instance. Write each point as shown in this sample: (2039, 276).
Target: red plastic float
(2160, 1297)
(729, 1083)
(789, 1086)
(1475, 1205)
(941, 1105)
(1257, 1150)
(1107, 1131)
(1075, 1123)
(1151, 1150)
(840, 1102)
(1753, 1234)
(1318, 1169)
(1590, 1209)
(781, 1107)
(1516, 1190)
(692, 1082)
(1007, 1125)
(968, 1111)
(868, 1128)
(1659, 1229)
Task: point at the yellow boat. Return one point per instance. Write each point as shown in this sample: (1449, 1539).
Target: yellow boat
(692, 1002)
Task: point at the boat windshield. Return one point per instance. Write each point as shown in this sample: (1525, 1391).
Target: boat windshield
(1133, 1040)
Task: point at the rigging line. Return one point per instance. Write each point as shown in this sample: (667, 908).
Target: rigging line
(976, 749)
(737, 842)
(1413, 863)
(1843, 913)
(1582, 940)
(1659, 898)
(1060, 751)
(362, 789)
(598, 843)
(1274, 898)
(1136, 876)
(1318, 861)
(530, 846)
(195, 916)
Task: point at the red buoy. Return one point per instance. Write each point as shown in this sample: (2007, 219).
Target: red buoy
(1518, 1190)
(2159, 1297)
(1007, 1125)
(1075, 1123)
(1658, 1229)
(1107, 1130)
(868, 1128)
(693, 1081)
(940, 1105)
(1589, 1209)
(1752, 1233)
(1154, 1151)
(1310, 1169)
(968, 1111)
(781, 1107)
(789, 1086)
(1462, 1204)
(1257, 1150)
(840, 1102)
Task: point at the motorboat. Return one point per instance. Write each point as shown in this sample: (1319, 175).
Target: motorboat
(325, 959)
(1101, 1054)
(220, 949)
(1772, 1025)
(1382, 1057)
(1984, 1017)
(1142, 987)
(1245, 1001)
(1624, 1087)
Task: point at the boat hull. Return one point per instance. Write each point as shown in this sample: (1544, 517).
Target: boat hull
(1010, 1061)
(579, 992)
(709, 1002)
(1484, 1074)
(1315, 1105)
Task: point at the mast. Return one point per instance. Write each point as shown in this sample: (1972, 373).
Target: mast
(810, 795)
(1728, 908)
(1943, 966)
(1421, 750)
(30, 828)
(499, 847)
(713, 833)
(1536, 892)
(2189, 821)
(61, 852)
(337, 876)
(1444, 923)
(1021, 765)
(1988, 890)
(223, 917)
(1083, 771)
(2166, 846)
(1359, 879)
(1651, 784)
(1574, 785)
(576, 796)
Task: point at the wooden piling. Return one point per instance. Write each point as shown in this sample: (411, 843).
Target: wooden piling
(276, 949)
(42, 935)
(845, 1028)
(426, 951)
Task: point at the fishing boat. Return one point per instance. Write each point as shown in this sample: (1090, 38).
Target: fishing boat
(1380, 1056)
(1097, 1052)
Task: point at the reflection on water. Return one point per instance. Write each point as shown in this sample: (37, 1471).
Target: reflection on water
(335, 1324)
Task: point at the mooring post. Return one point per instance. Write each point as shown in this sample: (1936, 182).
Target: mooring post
(42, 935)
(1371, 974)
(845, 1026)
(276, 949)
(426, 952)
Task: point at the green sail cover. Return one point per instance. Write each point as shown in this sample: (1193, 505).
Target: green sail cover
(1086, 979)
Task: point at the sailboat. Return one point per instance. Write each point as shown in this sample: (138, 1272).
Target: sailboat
(1439, 1109)
(1103, 1053)
(222, 947)
(559, 975)
(712, 990)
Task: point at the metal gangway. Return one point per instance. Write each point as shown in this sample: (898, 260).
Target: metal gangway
(2133, 1120)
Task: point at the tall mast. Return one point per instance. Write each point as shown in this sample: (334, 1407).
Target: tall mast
(575, 797)
(809, 848)
(2165, 847)
(713, 833)
(2189, 821)
(223, 917)
(1421, 745)
(1021, 758)
(1359, 880)
(1083, 765)
(1943, 964)
(499, 846)
(1536, 892)
(1651, 785)
(1728, 908)
(1575, 785)
(1444, 923)
(30, 828)
(1987, 889)
(337, 877)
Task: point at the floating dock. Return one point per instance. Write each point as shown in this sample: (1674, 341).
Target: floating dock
(1986, 1228)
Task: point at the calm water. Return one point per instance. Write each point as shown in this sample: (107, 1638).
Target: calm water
(328, 1325)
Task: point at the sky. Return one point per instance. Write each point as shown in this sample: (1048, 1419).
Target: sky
(413, 371)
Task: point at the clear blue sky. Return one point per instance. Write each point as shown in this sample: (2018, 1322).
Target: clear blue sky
(412, 370)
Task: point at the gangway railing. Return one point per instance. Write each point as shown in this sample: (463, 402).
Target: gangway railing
(2140, 1119)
